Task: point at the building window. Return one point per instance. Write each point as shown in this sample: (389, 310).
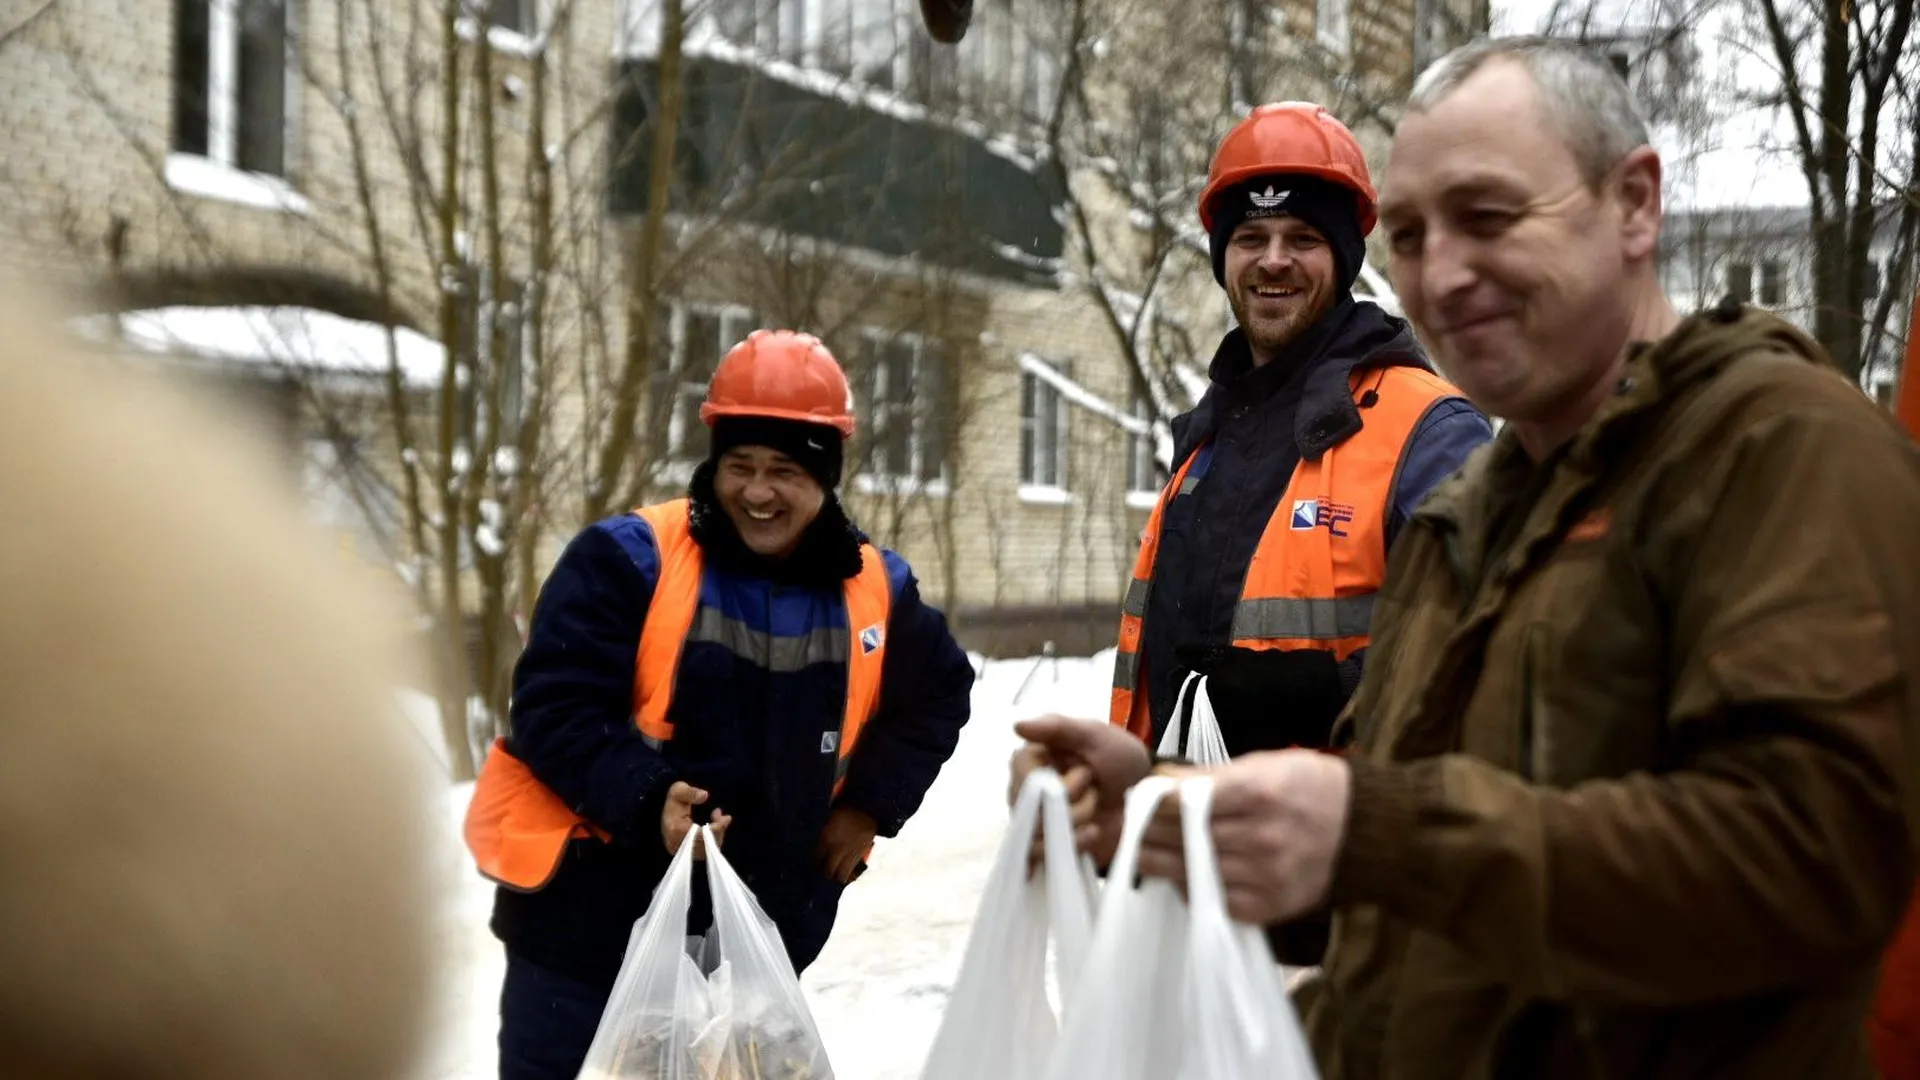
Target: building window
(792, 38)
(876, 41)
(1043, 432)
(1433, 32)
(479, 321)
(230, 83)
(691, 340)
(1143, 473)
(1039, 78)
(904, 382)
(1330, 23)
(1771, 287)
(737, 20)
(519, 16)
(1740, 282)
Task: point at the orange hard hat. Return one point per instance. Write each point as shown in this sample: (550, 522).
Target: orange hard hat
(1296, 137)
(781, 374)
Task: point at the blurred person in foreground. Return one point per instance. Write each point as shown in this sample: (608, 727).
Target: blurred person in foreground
(744, 657)
(1623, 790)
(213, 817)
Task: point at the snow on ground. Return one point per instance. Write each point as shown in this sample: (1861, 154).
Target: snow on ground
(879, 988)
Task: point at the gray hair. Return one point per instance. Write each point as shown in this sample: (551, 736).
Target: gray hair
(1580, 91)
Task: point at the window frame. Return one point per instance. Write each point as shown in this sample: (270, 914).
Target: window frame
(1333, 25)
(1736, 284)
(217, 173)
(1140, 448)
(923, 406)
(1035, 389)
(1772, 285)
(511, 40)
(680, 428)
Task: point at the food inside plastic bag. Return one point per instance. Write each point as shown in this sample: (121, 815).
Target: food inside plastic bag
(746, 1019)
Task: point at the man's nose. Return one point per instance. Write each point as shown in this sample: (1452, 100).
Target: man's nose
(1277, 255)
(1446, 267)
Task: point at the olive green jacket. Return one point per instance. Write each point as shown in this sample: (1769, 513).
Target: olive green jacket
(1628, 790)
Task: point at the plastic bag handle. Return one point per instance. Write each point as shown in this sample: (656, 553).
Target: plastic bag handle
(1173, 741)
(1142, 800)
(1214, 937)
(1067, 874)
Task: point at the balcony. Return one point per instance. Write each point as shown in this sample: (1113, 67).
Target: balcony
(839, 158)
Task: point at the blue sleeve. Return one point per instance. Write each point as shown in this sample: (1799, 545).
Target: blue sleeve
(1450, 431)
(572, 708)
(926, 697)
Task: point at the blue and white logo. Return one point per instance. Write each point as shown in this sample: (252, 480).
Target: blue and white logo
(871, 639)
(1306, 513)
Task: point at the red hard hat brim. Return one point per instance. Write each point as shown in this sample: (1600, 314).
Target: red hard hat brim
(1363, 197)
(842, 424)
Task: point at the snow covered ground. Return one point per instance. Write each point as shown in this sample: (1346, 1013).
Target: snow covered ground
(879, 988)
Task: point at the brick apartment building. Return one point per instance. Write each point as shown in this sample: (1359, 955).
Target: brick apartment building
(257, 189)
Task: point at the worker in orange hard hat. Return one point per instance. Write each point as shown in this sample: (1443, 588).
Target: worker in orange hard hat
(742, 657)
(1323, 429)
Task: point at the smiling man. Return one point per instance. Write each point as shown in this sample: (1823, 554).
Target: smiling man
(742, 656)
(1322, 431)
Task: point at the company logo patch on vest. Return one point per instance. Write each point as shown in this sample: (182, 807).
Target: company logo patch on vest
(872, 638)
(1321, 514)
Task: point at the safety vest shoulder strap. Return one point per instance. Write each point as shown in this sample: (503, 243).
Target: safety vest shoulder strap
(1126, 706)
(676, 600)
(869, 600)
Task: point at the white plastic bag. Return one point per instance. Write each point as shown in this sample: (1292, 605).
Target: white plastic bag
(1205, 746)
(769, 1033)
(1173, 989)
(746, 1019)
(999, 1023)
(660, 1004)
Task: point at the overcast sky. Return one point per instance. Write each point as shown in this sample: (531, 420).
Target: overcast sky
(1735, 168)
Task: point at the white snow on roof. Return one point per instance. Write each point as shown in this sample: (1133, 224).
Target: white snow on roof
(298, 338)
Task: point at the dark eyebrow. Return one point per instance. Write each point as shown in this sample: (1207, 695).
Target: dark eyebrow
(1478, 187)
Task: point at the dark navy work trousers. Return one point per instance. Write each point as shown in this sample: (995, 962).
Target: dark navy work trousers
(547, 1021)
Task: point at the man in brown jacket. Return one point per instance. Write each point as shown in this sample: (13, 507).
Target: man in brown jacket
(1625, 786)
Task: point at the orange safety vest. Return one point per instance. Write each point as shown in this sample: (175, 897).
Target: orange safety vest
(518, 829)
(1323, 555)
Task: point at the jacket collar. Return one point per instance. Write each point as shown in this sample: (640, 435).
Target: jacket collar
(1317, 368)
(1655, 376)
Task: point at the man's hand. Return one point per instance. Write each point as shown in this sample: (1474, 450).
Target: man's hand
(1279, 819)
(676, 818)
(844, 842)
(1098, 762)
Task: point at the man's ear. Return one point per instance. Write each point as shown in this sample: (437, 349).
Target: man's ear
(1636, 185)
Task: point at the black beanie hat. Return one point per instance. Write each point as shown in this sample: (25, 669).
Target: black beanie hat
(816, 448)
(1329, 207)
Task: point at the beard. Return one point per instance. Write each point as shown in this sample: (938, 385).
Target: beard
(1269, 333)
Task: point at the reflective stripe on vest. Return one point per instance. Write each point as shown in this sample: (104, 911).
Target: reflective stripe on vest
(1313, 576)
(518, 829)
